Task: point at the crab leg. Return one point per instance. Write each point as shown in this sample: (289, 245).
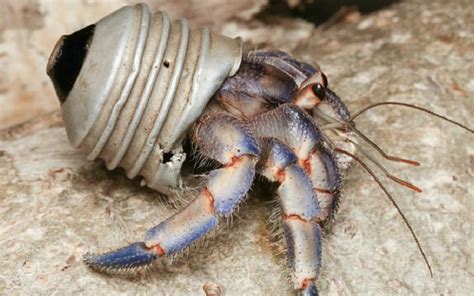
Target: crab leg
(321, 166)
(296, 128)
(300, 209)
(225, 140)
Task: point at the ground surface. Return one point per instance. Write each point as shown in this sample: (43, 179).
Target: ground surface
(55, 206)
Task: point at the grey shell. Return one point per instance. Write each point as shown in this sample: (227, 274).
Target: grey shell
(144, 82)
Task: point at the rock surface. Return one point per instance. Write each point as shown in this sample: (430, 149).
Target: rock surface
(55, 206)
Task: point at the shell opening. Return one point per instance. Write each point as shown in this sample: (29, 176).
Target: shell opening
(66, 60)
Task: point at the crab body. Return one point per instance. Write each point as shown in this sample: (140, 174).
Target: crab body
(134, 86)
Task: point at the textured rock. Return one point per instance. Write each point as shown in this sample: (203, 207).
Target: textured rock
(55, 205)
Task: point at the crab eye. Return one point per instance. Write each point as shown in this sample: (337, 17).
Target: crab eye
(319, 90)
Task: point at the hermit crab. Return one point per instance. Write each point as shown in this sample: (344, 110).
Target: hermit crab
(135, 86)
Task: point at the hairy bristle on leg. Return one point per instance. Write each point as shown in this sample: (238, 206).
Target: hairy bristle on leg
(225, 189)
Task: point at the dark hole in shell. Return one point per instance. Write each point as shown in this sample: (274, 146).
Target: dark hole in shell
(66, 60)
(167, 157)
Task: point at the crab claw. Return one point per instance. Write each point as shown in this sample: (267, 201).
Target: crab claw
(132, 256)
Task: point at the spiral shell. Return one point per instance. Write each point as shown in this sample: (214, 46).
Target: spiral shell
(132, 85)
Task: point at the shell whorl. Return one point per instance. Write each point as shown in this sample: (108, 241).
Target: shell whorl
(144, 81)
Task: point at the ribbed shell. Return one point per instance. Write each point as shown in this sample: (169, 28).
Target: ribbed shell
(144, 82)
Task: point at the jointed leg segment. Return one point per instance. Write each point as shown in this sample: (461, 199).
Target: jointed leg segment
(225, 140)
(295, 128)
(300, 209)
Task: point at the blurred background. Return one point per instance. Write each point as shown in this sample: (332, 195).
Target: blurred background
(30, 28)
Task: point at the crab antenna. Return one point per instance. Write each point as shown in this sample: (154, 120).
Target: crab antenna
(359, 112)
(384, 170)
(378, 164)
(394, 203)
(351, 125)
(379, 150)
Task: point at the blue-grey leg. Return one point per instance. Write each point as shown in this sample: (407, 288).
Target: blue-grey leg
(322, 168)
(295, 128)
(300, 210)
(224, 139)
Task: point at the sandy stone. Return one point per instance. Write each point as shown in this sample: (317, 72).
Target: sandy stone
(55, 205)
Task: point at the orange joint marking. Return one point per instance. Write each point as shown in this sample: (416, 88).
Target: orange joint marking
(210, 198)
(233, 161)
(158, 250)
(331, 192)
(306, 282)
(280, 175)
(295, 217)
(305, 164)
